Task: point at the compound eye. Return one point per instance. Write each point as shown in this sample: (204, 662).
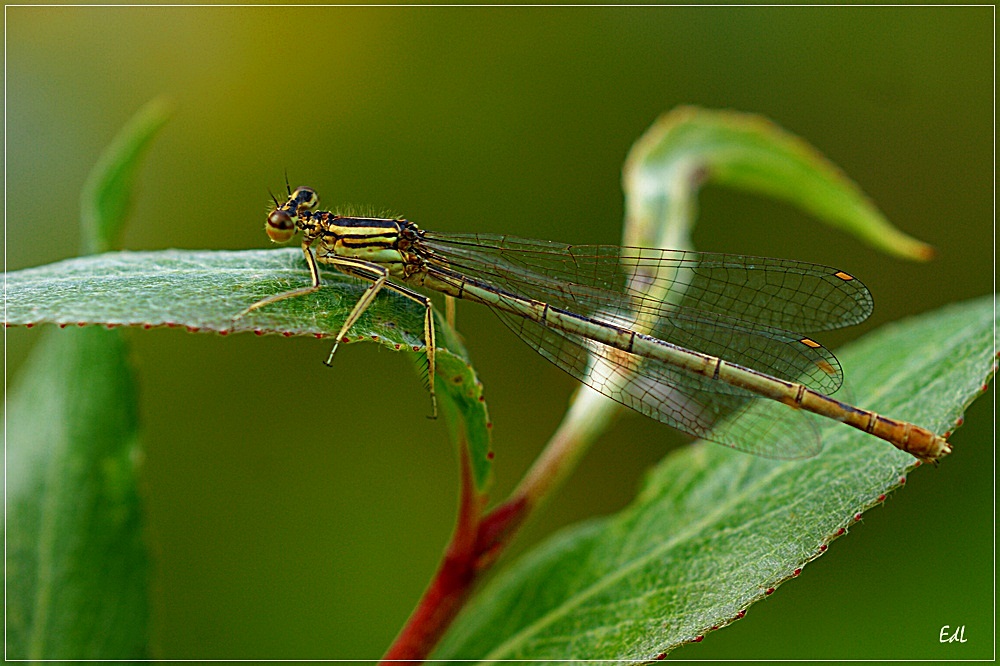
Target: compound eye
(305, 198)
(280, 227)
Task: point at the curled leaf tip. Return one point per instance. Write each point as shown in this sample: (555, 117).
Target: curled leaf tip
(689, 145)
(925, 252)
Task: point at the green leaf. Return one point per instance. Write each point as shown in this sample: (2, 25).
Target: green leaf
(688, 146)
(76, 562)
(107, 194)
(77, 566)
(203, 291)
(715, 530)
(465, 413)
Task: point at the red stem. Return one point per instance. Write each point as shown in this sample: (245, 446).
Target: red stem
(475, 545)
(478, 540)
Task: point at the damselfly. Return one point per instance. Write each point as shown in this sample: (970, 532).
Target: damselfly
(687, 338)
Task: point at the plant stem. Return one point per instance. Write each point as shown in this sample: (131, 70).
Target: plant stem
(452, 582)
(478, 540)
(587, 417)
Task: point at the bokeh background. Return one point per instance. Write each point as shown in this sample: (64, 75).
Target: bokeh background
(285, 528)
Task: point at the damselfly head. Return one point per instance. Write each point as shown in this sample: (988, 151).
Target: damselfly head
(283, 219)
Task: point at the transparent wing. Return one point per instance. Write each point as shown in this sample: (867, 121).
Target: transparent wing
(688, 402)
(779, 293)
(593, 281)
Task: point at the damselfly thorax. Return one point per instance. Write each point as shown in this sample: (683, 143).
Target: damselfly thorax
(692, 339)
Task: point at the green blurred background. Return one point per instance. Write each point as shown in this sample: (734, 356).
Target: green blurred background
(286, 530)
